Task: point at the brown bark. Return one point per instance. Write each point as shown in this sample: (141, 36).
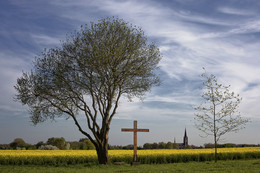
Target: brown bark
(102, 147)
(102, 154)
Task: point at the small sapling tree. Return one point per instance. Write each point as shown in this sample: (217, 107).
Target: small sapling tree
(218, 115)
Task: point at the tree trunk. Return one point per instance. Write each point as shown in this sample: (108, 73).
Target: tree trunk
(102, 149)
(215, 132)
(102, 153)
(216, 156)
(215, 138)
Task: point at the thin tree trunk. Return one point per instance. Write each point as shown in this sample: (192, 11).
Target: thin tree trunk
(214, 119)
(216, 156)
(215, 133)
(215, 139)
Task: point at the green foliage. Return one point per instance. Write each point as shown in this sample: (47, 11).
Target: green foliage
(39, 144)
(31, 147)
(88, 74)
(147, 146)
(162, 145)
(86, 144)
(18, 142)
(169, 145)
(58, 142)
(128, 147)
(175, 146)
(187, 147)
(90, 145)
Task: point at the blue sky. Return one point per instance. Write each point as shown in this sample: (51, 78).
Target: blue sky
(223, 36)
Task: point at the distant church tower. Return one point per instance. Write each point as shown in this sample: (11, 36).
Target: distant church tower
(185, 139)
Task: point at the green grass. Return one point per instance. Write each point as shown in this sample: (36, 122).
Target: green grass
(251, 166)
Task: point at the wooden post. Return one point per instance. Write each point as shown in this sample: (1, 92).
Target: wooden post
(135, 141)
(135, 130)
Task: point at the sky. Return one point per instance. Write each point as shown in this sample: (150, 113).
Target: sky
(223, 36)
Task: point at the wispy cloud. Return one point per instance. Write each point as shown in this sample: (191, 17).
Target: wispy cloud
(248, 27)
(11, 67)
(186, 38)
(234, 11)
(45, 40)
(223, 38)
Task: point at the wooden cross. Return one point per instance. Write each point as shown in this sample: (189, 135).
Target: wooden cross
(135, 130)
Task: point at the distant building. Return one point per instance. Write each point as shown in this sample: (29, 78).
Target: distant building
(185, 140)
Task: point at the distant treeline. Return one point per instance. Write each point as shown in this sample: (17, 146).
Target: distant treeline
(86, 144)
(230, 145)
(160, 145)
(51, 144)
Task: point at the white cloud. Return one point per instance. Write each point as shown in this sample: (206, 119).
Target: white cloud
(188, 41)
(11, 66)
(245, 72)
(186, 45)
(42, 39)
(248, 27)
(234, 11)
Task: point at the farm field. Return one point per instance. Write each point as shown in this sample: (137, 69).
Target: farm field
(74, 157)
(231, 166)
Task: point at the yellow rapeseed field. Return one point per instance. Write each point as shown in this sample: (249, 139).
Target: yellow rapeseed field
(55, 157)
(113, 153)
(198, 151)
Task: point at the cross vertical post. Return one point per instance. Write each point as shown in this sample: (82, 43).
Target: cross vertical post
(135, 130)
(135, 141)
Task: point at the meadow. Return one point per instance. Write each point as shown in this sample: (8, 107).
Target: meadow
(231, 166)
(160, 156)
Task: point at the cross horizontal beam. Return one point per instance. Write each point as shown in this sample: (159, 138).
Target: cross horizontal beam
(134, 130)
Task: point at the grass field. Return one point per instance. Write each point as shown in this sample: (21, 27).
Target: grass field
(231, 166)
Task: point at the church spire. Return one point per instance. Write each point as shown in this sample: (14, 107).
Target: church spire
(185, 138)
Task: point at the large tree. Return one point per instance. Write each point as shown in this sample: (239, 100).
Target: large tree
(88, 74)
(219, 114)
